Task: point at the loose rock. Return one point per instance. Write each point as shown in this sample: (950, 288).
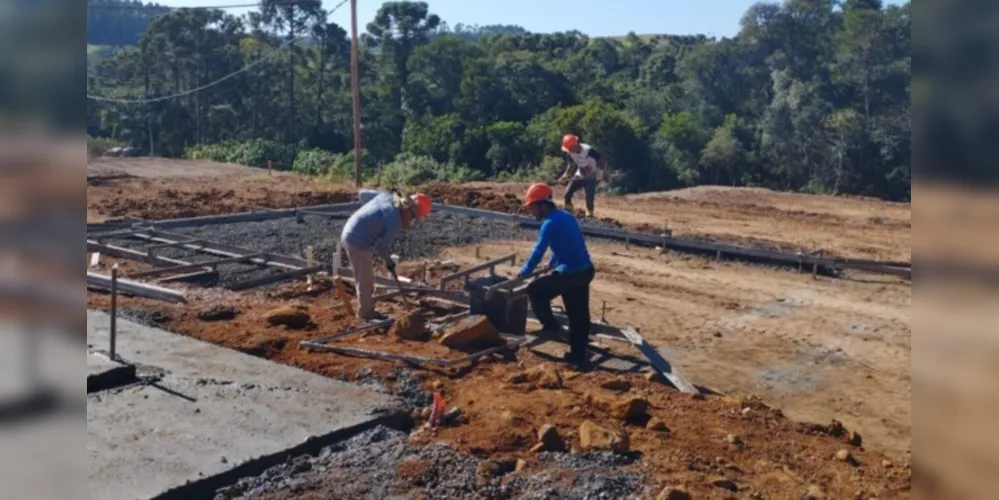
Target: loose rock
(295, 317)
(656, 425)
(673, 493)
(490, 469)
(545, 377)
(218, 313)
(411, 327)
(472, 332)
(733, 439)
(595, 437)
(617, 385)
(724, 483)
(655, 377)
(855, 438)
(630, 409)
(844, 456)
(814, 493)
(548, 436)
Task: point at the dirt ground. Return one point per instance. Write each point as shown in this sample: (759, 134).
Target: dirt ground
(818, 349)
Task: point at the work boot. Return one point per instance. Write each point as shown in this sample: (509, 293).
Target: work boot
(578, 363)
(372, 317)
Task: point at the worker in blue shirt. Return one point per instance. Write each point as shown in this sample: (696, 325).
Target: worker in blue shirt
(570, 272)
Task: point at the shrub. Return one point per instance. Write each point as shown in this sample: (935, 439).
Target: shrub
(411, 170)
(252, 153)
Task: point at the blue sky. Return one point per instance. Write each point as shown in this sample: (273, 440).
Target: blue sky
(594, 17)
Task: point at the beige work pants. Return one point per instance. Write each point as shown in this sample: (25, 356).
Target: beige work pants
(362, 264)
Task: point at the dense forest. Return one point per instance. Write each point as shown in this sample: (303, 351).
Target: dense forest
(811, 95)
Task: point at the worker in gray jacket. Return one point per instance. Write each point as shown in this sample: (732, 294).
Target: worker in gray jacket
(372, 229)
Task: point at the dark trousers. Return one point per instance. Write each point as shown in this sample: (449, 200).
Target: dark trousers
(574, 288)
(589, 187)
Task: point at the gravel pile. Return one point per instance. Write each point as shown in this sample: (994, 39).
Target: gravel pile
(382, 464)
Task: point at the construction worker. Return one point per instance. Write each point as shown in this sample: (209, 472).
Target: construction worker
(570, 272)
(372, 229)
(586, 166)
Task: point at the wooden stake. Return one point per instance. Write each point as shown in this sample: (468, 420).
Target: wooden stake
(355, 87)
(309, 263)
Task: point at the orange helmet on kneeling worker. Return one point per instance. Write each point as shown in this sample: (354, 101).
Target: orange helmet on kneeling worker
(423, 204)
(538, 192)
(569, 141)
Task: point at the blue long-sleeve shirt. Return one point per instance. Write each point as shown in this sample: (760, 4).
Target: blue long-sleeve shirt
(375, 225)
(560, 231)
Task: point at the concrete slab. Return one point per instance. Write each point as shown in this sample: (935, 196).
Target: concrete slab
(103, 373)
(213, 416)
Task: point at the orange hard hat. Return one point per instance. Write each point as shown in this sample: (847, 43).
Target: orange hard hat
(423, 204)
(569, 141)
(538, 192)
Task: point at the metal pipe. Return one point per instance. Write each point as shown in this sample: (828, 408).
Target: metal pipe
(472, 270)
(112, 349)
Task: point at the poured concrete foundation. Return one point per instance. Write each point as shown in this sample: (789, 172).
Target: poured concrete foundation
(203, 416)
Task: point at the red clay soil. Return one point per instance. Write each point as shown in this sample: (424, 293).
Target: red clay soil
(177, 198)
(707, 439)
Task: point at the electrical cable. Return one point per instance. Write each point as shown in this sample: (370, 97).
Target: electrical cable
(210, 84)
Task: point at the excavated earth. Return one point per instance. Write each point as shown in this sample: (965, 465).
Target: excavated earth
(712, 447)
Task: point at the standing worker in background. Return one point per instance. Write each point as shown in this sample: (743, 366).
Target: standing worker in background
(571, 272)
(372, 229)
(586, 166)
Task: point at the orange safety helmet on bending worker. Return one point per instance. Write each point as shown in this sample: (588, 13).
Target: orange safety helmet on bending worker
(423, 204)
(569, 142)
(538, 192)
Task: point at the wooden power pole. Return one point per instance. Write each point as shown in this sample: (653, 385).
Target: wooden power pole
(355, 84)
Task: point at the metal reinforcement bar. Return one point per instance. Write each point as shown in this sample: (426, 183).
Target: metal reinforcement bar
(697, 246)
(513, 344)
(211, 265)
(478, 212)
(220, 250)
(128, 253)
(135, 288)
(248, 216)
(490, 265)
(277, 278)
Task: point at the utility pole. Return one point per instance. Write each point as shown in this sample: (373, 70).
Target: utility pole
(355, 84)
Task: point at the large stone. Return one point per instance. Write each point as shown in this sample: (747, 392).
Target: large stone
(472, 332)
(595, 437)
(218, 313)
(548, 435)
(411, 327)
(629, 409)
(295, 317)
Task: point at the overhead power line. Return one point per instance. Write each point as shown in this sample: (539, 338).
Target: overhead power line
(211, 84)
(167, 7)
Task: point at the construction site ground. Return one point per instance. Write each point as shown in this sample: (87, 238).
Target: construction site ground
(818, 349)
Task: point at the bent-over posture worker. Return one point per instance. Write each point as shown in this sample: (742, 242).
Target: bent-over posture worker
(570, 272)
(372, 229)
(586, 166)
